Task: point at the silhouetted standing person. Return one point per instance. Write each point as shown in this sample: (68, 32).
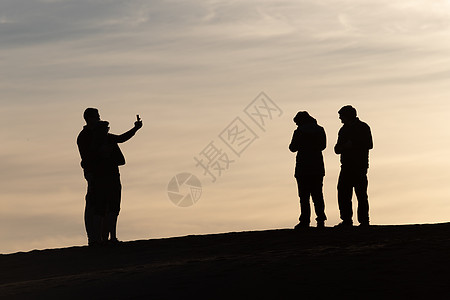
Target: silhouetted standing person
(87, 153)
(110, 157)
(101, 158)
(309, 140)
(353, 144)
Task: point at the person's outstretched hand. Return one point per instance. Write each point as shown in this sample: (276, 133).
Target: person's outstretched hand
(138, 124)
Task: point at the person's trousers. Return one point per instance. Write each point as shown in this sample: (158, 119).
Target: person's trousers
(311, 186)
(350, 179)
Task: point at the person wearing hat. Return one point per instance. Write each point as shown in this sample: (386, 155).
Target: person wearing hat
(353, 145)
(309, 140)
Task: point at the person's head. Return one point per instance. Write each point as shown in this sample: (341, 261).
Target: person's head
(102, 127)
(91, 115)
(347, 114)
(303, 117)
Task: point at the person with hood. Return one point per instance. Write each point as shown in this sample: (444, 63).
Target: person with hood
(353, 145)
(309, 140)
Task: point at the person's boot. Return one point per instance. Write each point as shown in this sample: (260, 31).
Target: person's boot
(112, 228)
(301, 225)
(321, 224)
(365, 224)
(344, 225)
(96, 230)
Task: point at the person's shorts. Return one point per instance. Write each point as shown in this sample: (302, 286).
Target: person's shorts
(104, 194)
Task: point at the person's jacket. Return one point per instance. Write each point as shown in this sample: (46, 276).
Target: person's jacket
(96, 155)
(353, 144)
(309, 140)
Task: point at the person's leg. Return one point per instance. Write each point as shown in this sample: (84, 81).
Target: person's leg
(114, 206)
(317, 197)
(97, 226)
(99, 205)
(105, 228)
(361, 184)
(112, 226)
(345, 194)
(88, 209)
(304, 195)
(88, 219)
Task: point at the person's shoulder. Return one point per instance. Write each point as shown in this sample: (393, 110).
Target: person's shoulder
(322, 130)
(320, 127)
(83, 133)
(363, 124)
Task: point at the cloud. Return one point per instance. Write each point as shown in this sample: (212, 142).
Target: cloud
(112, 40)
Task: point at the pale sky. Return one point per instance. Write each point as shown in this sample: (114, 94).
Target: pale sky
(189, 68)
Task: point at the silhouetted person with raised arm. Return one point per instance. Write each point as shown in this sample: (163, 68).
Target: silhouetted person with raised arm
(110, 157)
(101, 158)
(353, 144)
(309, 140)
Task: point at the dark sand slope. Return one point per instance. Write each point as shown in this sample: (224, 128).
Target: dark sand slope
(385, 262)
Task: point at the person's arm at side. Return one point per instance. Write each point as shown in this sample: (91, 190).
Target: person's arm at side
(369, 138)
(343, 143)
(323, 140)
(84, 143)
(364, 138)
(339, 144)
(293, 146)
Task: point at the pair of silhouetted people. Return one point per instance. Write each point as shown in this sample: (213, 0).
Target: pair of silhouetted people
(353, 144)
(100, 160)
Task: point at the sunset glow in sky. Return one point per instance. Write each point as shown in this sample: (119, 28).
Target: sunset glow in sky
(189, 68)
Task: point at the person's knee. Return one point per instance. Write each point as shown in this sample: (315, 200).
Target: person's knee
(304, 200)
